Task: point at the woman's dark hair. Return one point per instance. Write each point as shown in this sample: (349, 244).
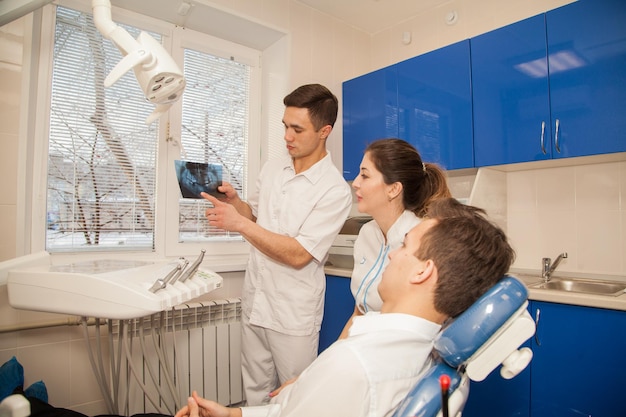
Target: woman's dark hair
(399, 161)
(318, 100)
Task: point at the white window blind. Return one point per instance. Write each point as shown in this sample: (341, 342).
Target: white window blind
(101, 158)
(214, 130)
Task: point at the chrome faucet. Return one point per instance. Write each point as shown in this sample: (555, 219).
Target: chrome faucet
(548, 269)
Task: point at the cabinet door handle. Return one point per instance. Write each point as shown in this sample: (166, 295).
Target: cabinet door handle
(543, 131)
(556, 136)
(537, 313)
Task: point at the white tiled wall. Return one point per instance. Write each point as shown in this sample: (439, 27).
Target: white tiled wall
(548, 210)
(11, 39)
(580, 210)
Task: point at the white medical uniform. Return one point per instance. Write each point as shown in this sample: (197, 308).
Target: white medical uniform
(371, 257)
(365, 375)
(283, 306)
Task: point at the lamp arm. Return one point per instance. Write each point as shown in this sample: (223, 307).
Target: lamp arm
(158, 75)
(110, 30)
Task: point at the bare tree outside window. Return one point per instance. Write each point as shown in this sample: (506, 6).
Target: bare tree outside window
(101, 159)
(102, 156)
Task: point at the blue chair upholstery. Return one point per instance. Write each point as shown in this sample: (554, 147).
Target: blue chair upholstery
(486, 335)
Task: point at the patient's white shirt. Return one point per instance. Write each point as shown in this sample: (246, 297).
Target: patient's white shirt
(366, 374)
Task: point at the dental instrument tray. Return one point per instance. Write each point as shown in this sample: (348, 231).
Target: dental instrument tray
(105, 288)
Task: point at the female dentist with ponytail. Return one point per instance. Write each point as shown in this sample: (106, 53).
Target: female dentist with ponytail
(394, 187)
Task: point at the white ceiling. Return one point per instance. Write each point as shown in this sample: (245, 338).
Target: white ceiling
(373, 16)
(205, 18)
(202, 17)
(370, 16)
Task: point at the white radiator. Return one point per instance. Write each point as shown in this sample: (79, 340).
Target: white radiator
(155, 362)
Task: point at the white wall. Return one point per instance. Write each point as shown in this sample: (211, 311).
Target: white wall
(11, 39)
(430, 31)
(319, 49)
(325, 50)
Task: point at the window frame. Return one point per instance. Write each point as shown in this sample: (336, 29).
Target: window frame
(189, 39)
(229, 255)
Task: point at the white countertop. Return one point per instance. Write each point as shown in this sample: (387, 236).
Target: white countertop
(339, 272)
(553, 296)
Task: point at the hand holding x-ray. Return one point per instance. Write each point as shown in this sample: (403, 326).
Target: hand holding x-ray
(197, 177)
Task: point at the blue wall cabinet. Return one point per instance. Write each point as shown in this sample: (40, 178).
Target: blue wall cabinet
(370, 112)
(587, 61)
(435, 105)
(425, 100)
(338, 307)
(578, 361)
(551, 86)
(511, 107)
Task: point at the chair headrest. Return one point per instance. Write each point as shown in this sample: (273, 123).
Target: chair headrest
(485, 335)
(459, 340)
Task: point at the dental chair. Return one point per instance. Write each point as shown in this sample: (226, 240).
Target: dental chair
(485, 336)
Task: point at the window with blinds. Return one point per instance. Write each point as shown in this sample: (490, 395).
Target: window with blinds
(102, 157)
(214, 130)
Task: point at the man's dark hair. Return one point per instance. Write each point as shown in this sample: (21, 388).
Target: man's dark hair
(471, 254)
(318, 100)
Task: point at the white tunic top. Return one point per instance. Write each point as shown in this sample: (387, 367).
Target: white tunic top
(365, 375)
(311, 207)
(371, 257)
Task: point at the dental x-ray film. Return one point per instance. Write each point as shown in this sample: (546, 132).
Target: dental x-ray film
(196, 177)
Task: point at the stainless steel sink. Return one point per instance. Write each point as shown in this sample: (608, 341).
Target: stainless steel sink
(598, 287)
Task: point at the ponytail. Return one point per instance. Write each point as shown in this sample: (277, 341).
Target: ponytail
(399, 161)
(434, 186)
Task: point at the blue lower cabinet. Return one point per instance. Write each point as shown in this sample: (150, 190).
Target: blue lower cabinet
(578, 357)
(578, 363)
(338, 307)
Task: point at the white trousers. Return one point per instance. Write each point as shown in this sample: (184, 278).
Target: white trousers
(269, 358)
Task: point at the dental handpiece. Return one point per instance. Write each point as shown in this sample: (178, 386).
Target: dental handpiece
(193, 268)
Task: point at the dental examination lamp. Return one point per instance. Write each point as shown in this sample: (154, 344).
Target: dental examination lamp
(158, 75)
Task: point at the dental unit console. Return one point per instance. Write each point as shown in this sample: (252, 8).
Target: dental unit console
(113, 289)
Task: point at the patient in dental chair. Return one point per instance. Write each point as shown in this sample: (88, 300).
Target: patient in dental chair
(444, 265)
